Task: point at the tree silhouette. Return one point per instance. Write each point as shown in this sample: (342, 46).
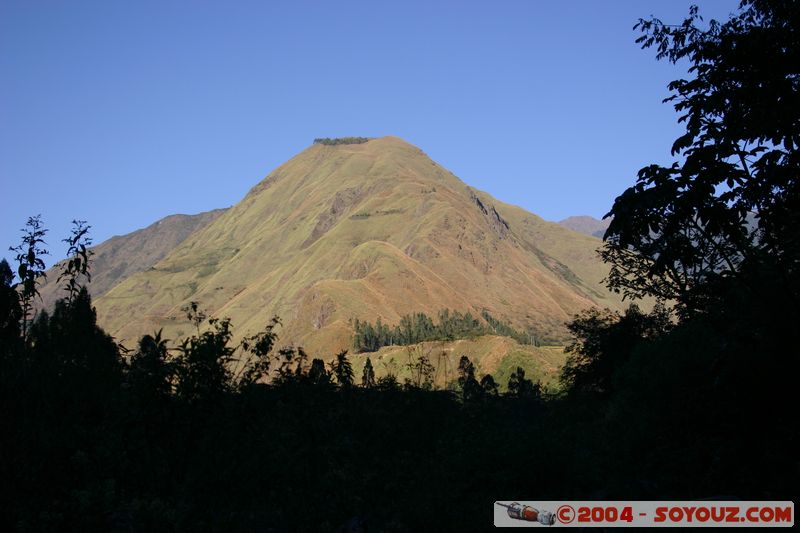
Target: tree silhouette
(465, 370)
(489, 385)
(30, 267)
(258, 350)
(470, 388)
(302, 362)
(604, 341)
(684, 229)
(522, 387)
(205, 363)
(343, 370)
(77, 264)
(73, 353)
(150, 373)
(317, 374)
(368, 376)
(195, 315)
(10, 311)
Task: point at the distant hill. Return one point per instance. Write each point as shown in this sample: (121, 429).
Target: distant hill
(586, 225)
(119, 257)
(375, 229)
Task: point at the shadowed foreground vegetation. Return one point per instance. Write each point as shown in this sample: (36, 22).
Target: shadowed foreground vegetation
(697, 400)
(175, 440)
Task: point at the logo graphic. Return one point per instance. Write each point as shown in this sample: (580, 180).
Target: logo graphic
(565, 514)
(527, 513)
(651, 513)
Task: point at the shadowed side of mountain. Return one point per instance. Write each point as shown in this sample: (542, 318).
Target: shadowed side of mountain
(121, 256)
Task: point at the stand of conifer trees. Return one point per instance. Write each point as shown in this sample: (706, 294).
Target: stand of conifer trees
(419, 327)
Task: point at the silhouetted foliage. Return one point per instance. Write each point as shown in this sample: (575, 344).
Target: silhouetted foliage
(195, 315)
(342, 370)
(317, 374)
(683, 230)
(368, 375)
(151, 373)
(489, 385)
(76, 266)
(388, 382)
(10, 312)
(258, 349)
(603, 343)
(30, 266)
(421, 369)
(205, 363)
(522, 387)
(470, 388)
(715, 234)
(70, 347)
(184, 442)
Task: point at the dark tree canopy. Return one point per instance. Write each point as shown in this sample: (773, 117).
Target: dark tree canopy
(368, 375)
(730, 200)
(10, 309)
(343, 370)
(603, 344)
(31, 268)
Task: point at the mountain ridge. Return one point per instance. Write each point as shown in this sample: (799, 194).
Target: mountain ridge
(586, 224)
(121, 256)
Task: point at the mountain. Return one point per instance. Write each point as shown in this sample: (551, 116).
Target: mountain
(586, 225)
(122, 256)
(360, 231)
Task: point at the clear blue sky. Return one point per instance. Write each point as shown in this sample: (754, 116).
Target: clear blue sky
(121, 112)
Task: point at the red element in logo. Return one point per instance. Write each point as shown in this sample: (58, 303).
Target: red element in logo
(565, 514)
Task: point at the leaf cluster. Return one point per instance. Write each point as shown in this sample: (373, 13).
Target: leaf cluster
(732, 196)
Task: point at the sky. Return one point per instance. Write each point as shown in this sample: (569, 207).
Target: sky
(121, 113)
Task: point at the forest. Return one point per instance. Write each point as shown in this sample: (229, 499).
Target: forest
(690, 400)
(419, 327)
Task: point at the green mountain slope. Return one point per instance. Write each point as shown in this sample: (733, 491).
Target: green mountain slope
(119, 257)
(361, 231)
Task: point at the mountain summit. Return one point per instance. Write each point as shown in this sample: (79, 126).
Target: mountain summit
(361, 231)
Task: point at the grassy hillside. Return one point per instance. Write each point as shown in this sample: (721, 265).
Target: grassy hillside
(119, 257)
(362, 231)
(491, 354)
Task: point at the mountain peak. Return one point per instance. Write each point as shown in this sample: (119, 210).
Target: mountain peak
(341, 164)
(355, 231)
(367, 144)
